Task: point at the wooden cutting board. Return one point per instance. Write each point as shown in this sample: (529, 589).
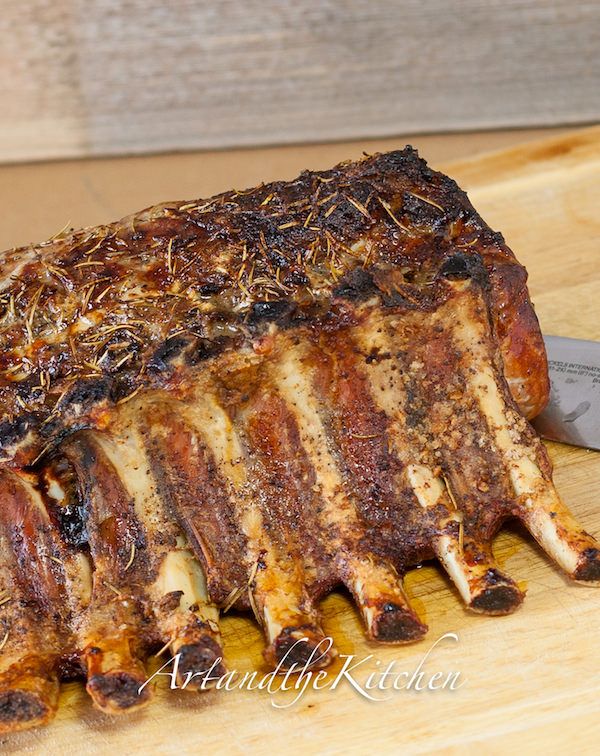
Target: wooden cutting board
(528, 681)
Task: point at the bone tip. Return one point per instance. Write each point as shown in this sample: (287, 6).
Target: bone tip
(300, 647)
(497, 595)
(118, 691)
(396, 624)
(198, 659)
(588, 566)
(22, 709)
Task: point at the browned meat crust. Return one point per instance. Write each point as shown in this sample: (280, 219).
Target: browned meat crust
(95, 314)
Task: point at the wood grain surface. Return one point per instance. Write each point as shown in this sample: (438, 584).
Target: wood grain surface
(97, 77)
(530, 681)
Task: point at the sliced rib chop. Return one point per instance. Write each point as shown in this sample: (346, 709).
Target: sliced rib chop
(249, 400)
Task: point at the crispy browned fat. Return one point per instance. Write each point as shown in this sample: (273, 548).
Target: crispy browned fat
(248, 400)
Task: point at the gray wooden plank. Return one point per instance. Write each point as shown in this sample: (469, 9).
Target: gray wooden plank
(111, 77)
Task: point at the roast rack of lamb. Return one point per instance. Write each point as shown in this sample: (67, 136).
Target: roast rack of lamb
(247, 401)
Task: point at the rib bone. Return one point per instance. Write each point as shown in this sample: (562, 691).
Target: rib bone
(479, 581)
(386, 360)
(525, 459)
(273, 580)
(30, 586)
(115, 672)
(166, 581)
(375, 585)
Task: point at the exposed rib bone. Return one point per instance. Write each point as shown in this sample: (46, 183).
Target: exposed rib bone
(187, 618)
(275, 582)
(114, 670)
(385, 608)
(483, 587)
(276, 527)
(377, 588)
(480, 583)
(193, 491)
(29, 589)
(177, 598)
(289, 618)
(525, 458)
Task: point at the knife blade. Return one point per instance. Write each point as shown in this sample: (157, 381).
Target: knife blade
(573, 412)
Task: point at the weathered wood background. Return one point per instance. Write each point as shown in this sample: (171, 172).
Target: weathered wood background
(95, 77)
